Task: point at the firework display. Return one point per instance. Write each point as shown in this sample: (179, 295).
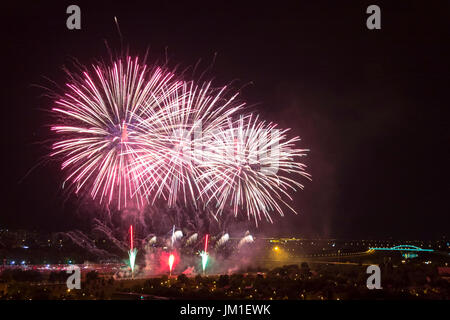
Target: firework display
(132, 135)
(129, 133)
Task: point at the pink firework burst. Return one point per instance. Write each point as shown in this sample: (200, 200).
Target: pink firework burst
(100, 117)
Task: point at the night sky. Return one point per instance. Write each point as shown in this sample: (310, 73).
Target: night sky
(372, 106)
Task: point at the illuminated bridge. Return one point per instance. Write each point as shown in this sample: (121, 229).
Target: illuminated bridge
(403, 248)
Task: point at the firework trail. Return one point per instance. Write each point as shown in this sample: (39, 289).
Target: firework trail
(131, 238)
(152, 240)
(167, 261)
(83, 241)
(248, 238)
(133, 252)
(171, 260)
(204, 254)
(192, 239)
(222, 240)
(173, 235)
(176, 235)
(103, 228)
(206, 242)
